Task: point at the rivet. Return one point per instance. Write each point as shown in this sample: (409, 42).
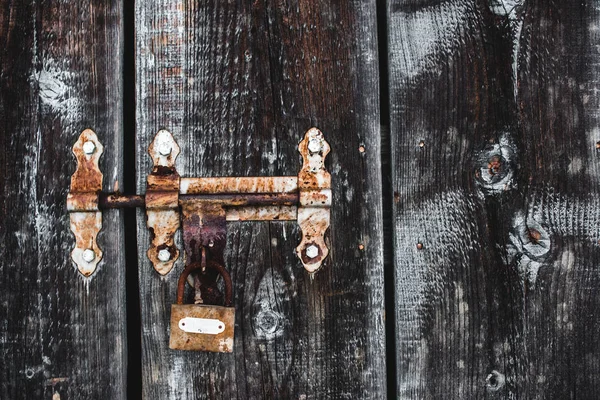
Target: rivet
(312, 251)
(361, 149)
(534, 235)
(164, 255)
(268, 323)
(89, 147)
(419, 246)
(494, 165)
(422, 144)
(597, 145)
(495, 380)
(164, 149)
(361, 246)
(314, 145)
(89, 255)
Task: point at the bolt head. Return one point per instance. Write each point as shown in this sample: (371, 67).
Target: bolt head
(315, 145)
(164, 255)
(312, 251)
(89, 147)
(89, 255)
(164, 149)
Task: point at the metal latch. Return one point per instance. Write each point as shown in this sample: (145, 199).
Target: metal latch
(201, 205)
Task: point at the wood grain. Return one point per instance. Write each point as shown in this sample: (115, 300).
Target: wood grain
(238, 84)
(62, 336)
(494, 129)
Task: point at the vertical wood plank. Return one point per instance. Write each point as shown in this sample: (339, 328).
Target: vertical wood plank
(238, 84)
(559, 79)
(494, 126)
(458, 303)
(62, 336)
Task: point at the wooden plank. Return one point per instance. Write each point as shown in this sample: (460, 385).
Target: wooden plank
(238, 84)
(62, 336)
(495, 213)
(559, 80)
(452, 111)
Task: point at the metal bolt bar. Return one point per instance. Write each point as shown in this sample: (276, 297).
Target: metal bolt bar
(116, 200)
(227, 185)
(233, 200)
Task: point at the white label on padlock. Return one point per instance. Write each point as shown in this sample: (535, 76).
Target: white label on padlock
(201, 325)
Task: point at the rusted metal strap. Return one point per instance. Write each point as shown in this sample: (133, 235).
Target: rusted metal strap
(112, 200)
(162, 202)
(82, 202)
(314, 183)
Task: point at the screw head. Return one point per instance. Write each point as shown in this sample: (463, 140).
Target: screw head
(89, 147)
(89, 255)
(315, 145)
(164, 149)
(312, 251)
(164, 255)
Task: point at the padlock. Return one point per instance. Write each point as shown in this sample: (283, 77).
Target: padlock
(203, 327)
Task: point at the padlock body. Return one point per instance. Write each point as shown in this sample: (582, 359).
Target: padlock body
(202, 316)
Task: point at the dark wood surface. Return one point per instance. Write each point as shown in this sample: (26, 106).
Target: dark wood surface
(62, 336)
(494, 124)
(238, 84)
(494, 132)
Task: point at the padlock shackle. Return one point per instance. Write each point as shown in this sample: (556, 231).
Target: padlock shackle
(209, 264)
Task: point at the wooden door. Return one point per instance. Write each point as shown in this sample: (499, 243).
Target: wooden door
(465, 140)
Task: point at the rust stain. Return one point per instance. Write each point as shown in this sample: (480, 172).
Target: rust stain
(534, 235)
(495, 165)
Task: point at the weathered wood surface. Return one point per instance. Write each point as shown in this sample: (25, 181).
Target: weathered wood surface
(494, 124)
(62, 336)
(238, 84)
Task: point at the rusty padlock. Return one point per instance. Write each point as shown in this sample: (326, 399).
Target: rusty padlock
(203, 327)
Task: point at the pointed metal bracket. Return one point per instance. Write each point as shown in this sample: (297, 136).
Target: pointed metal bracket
(82, 202)
(305, 198)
